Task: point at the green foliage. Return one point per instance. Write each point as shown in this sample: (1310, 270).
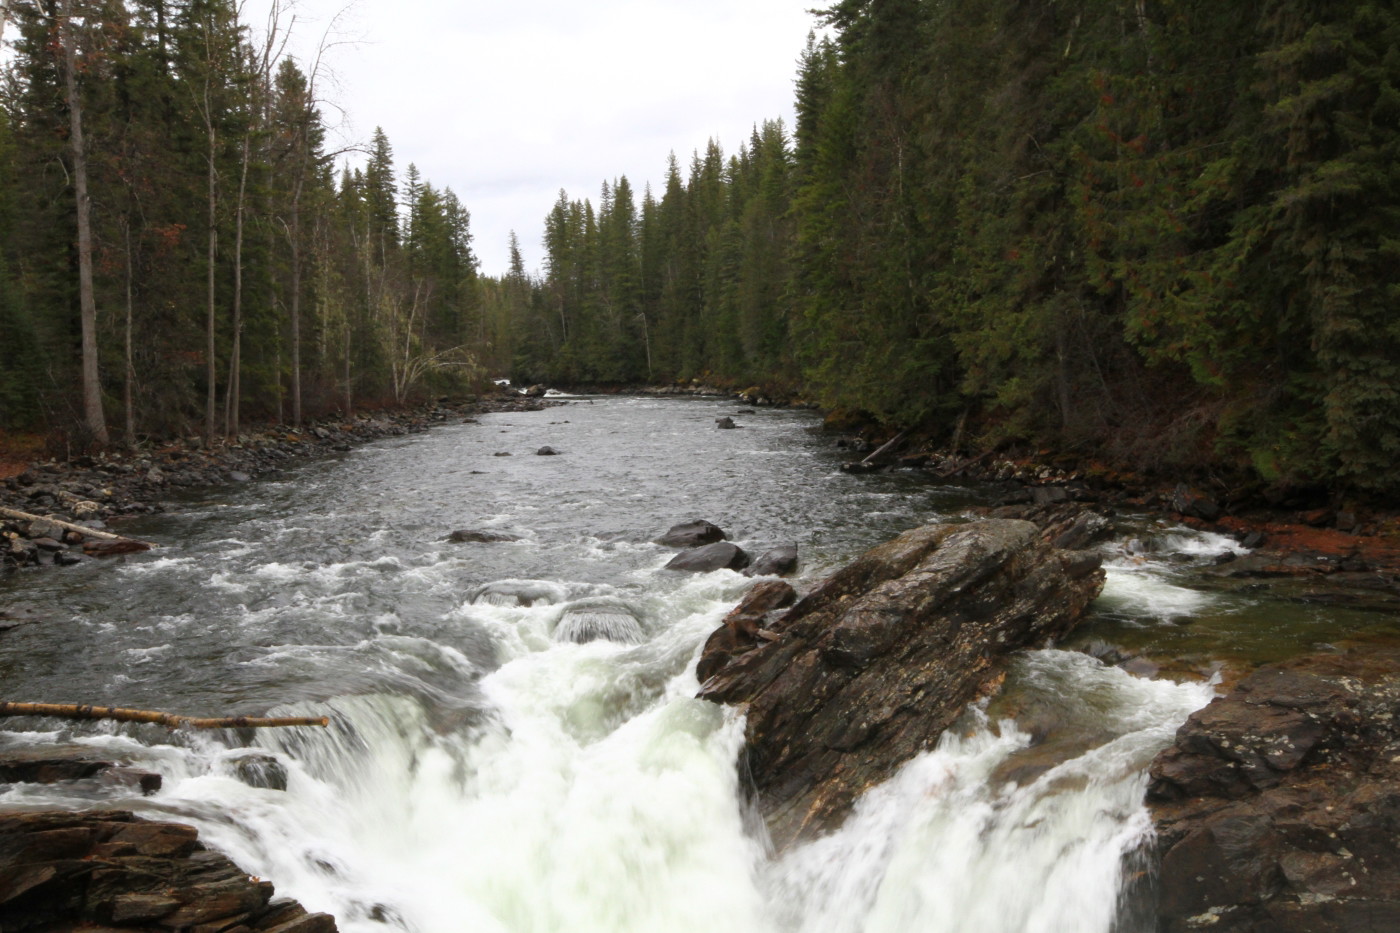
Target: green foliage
(192, 135)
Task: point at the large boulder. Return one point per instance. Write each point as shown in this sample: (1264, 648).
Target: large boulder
(1278, 807)
(869, 668)
(721, 555)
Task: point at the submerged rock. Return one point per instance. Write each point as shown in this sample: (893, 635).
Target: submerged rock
(519, 593)
(1278, 807)
(601, 618)
(869, 668)
(258, 769)
(474, 536)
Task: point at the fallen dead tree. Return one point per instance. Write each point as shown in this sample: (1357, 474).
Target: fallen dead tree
(170, 720)
(69, 526)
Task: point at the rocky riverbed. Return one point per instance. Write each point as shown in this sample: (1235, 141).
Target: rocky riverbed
(98, 491)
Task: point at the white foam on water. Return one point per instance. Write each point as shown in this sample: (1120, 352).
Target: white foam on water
(942, 848)
(1144, 590)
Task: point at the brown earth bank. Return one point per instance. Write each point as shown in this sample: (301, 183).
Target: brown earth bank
(110, 870)
(96, 492)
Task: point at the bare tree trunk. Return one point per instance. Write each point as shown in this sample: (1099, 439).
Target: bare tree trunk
(277, 368)
(69, 526)
(92, 388)
(170, 720)
(210, 364)
(294, 234)
(129, 382)
(231, 414)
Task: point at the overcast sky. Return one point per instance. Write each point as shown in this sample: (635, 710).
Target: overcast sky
(507, 102)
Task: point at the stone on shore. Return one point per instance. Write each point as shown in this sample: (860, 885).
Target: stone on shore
(873, 665)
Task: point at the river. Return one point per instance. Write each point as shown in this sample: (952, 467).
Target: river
(482, 773)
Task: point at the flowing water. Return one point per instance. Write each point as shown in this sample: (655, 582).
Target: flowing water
(487, 768)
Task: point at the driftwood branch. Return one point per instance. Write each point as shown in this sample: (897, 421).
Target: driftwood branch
(69, 526)
(171, 720)
(884, 447)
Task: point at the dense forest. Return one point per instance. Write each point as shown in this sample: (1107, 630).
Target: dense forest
(179, 252)
(1163, 234)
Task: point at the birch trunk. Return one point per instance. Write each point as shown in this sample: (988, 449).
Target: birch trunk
(92, 387)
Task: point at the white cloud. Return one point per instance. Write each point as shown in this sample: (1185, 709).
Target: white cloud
(506, 103)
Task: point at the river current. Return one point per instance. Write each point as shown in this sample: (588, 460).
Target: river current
(484, 773)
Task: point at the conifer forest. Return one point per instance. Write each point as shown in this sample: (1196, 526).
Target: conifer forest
(1161, 234)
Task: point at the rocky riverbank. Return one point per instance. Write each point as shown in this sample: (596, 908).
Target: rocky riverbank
(1278, 807)
(98, 491)
(109, 870)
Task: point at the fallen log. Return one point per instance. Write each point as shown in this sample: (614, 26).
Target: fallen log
(69, 526)
(870, 460)
(170, 720)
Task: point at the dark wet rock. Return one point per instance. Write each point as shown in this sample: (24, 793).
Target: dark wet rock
(691, 534)
(48, 544)
(722, 555)
(535, 391)
(868, 669)
(43, 529)
(473, 536)
(501, 453)
(113, 548)
(1140, 667)
(1192, 504)
(599, 618)
(136, 779)
(258, 769)
(546, 451)
(1278, 806)
(774, 562)
(745, 626)
(106, 869)
(1106, 652)
(1049, 495)
(1085, 530)
(725, 423)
